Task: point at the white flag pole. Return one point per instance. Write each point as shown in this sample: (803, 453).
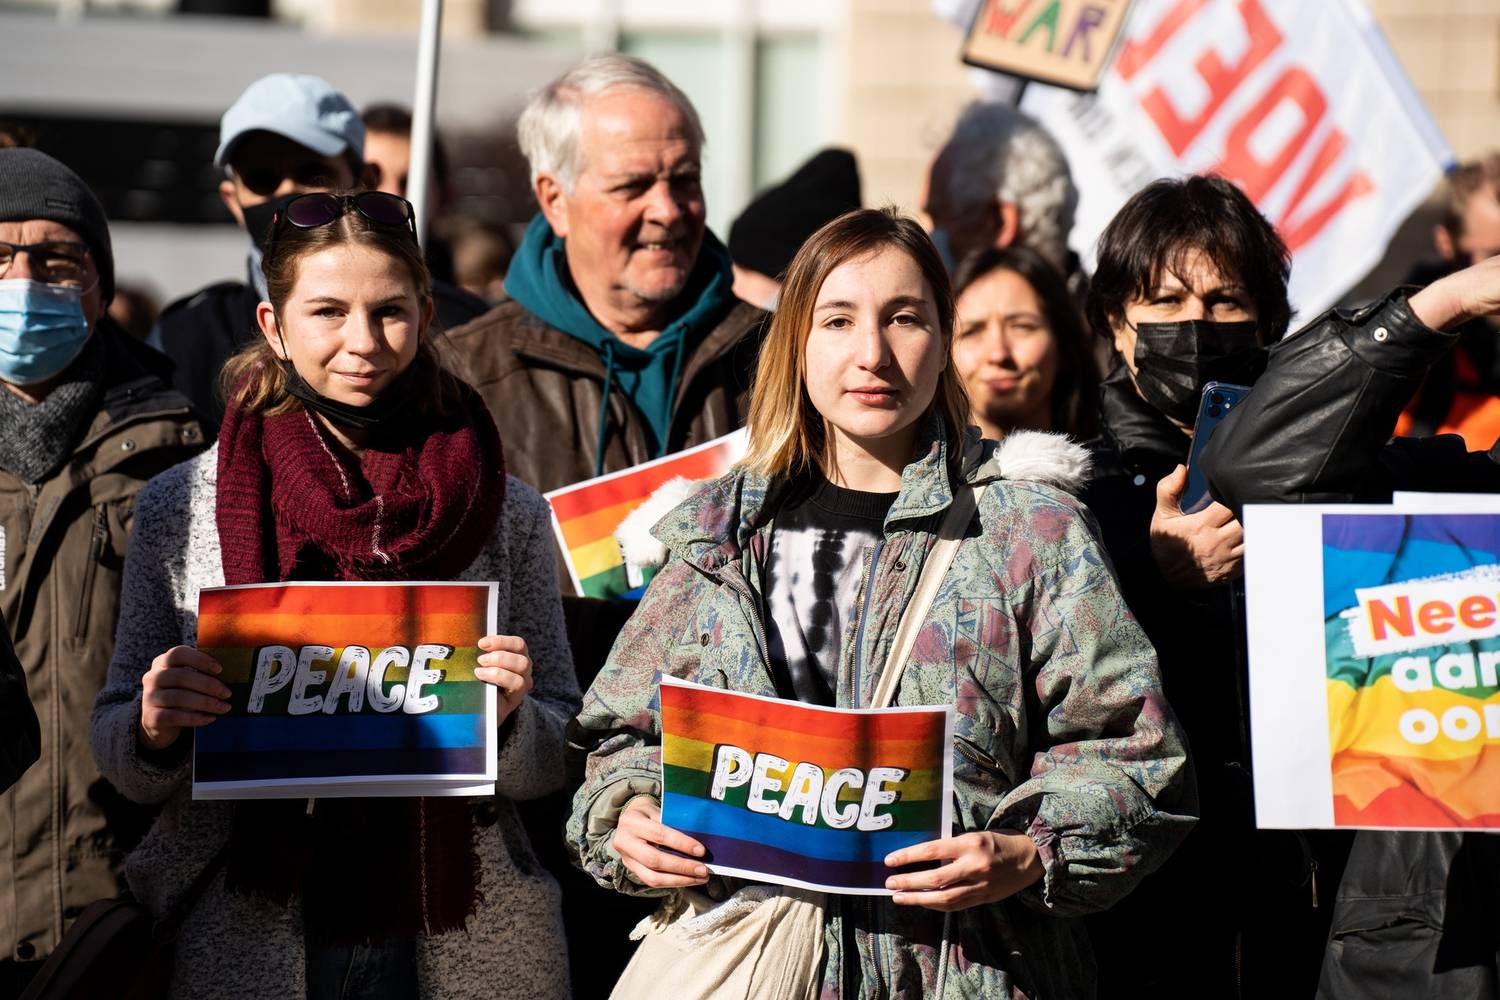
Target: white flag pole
(423, 108)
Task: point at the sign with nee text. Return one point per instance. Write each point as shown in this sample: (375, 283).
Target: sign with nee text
(1301, 104)
(1062, 42)
(347, 689)
(1374, 655)
(801, 795)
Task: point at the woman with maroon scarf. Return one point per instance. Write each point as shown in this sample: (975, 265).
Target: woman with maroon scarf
(348, 452)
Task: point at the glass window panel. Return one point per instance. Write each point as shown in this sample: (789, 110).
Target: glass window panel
(789, 101)
(694, 62)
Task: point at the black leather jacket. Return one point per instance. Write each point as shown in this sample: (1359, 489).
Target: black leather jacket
(1417, 913)
(1241, 928)
(1317, 428)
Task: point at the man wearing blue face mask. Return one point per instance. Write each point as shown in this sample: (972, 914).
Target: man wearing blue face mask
(85, 421)
(288, 134)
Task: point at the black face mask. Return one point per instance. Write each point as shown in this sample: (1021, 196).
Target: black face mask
(391, 401)
(1174, 361)
(258, 219)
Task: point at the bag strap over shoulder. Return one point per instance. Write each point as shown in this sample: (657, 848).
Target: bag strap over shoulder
(934, 568)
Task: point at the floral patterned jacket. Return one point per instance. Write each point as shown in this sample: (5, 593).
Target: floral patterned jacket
(1061, 728)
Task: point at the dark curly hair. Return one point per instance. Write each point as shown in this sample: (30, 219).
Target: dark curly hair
(1075, 394)
(1168, 220)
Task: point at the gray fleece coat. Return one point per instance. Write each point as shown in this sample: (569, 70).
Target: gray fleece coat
(232, 946)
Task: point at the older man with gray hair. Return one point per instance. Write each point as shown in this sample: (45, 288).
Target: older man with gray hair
(620, 339)
(1000, 180)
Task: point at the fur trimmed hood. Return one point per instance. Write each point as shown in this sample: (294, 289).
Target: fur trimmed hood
(637, 544)
(1052, 459)
(1046, 457)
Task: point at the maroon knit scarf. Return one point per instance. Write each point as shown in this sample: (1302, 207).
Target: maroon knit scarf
(418, 505)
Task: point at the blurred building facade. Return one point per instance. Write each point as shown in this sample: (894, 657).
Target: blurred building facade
(774, 80)
(883, 76)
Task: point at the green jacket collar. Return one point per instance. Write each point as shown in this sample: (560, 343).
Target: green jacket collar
(712, 527)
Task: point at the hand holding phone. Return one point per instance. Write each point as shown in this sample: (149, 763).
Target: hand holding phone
(1219, 398)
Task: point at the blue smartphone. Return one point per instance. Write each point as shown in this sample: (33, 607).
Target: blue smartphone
(1218, 399)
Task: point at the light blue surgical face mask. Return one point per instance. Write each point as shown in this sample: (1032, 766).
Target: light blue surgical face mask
(42, 329)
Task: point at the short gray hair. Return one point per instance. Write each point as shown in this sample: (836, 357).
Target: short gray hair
(997, 151)
(548, 127)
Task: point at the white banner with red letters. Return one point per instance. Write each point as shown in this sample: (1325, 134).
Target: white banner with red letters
(1300, 102)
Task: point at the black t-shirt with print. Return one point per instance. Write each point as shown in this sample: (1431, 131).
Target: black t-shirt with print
(819, 547)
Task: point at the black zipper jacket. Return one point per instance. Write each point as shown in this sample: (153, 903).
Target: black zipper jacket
(1237, 902)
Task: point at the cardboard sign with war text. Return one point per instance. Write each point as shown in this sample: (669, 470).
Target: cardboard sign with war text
(1061, 42)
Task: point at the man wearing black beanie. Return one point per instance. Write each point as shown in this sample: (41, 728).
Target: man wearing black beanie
(773, 227)
(85, 421)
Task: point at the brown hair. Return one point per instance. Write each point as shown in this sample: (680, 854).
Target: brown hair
(1075, 393)
(253, 380)
(1170, 219)
(1463, 182)
(787, 434)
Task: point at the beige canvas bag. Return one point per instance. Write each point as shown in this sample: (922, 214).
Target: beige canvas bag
(766, 941)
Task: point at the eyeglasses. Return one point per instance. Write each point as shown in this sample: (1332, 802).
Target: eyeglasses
(309, 211)
(56, 262)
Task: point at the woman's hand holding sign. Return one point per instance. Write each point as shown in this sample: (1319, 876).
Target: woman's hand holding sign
(181, 690)
(979, 868)
(505, 663)
(639, 837)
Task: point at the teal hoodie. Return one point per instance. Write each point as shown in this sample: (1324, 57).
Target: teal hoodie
(539, 280)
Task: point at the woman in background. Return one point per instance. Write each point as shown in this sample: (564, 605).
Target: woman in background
(1020, 347)
(1191, 287)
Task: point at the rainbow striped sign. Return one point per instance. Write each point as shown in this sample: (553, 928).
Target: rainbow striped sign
(800, 795)
(347, 689)
(585, 515)
(1375, 699)
(1412, 613)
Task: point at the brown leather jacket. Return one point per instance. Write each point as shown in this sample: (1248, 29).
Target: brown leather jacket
(545, 388)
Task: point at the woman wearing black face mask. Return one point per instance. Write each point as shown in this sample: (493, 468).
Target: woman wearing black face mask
(1191, 288)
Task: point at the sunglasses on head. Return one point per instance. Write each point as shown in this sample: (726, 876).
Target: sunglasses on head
(309, 211)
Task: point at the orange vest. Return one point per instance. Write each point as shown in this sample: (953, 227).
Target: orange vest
(1472, 414)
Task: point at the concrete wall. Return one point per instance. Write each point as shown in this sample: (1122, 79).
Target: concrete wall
(193, 68)
(904, 89)
(1451, 51)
